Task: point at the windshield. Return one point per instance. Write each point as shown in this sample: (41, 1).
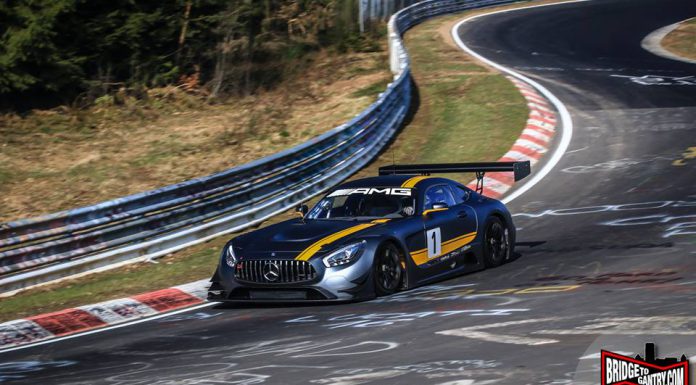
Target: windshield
(370, 202)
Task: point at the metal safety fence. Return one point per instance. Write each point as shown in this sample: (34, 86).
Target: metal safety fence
(154, 223)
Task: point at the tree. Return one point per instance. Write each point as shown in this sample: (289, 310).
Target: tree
(54, 50)
(31, 60)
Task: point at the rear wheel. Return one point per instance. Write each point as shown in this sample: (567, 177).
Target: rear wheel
(496, 247)
(387, 271)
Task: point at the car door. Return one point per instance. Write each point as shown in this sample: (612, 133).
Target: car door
(448, 225)
(467, 220)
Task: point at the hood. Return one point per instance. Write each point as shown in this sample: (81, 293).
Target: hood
(288, 239)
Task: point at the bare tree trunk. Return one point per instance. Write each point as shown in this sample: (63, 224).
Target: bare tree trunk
(220, 68)
(184, 29)
(250, 60)
(219, 75)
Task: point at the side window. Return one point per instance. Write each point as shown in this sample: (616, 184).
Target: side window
(461, 194)
(438, 194)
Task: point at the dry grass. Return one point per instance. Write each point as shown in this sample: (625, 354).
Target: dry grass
(467, 112)
(682, 40)
(65, 158)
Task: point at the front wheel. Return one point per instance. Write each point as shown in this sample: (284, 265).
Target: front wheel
(387, 271)
(496, 246)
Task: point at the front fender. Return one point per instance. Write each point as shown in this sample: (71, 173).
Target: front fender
(355, 279)
(377, 240)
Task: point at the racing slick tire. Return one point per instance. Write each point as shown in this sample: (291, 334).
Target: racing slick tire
(387, 271)
(496, 243)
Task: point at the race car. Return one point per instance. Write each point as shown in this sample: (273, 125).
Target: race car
(373, 237)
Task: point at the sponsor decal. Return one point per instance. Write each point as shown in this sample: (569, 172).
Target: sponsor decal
(373, 190)
(618, 369)
(437, 249)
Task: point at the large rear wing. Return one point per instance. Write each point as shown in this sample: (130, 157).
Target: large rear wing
(519, 169)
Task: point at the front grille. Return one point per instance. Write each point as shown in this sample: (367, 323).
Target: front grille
(274, 271)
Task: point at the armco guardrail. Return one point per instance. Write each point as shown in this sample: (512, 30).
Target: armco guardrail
(157, 222)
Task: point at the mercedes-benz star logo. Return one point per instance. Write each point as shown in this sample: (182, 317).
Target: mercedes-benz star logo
(271, 271)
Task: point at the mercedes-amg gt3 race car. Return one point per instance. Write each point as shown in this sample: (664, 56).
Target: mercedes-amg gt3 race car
(373, 237)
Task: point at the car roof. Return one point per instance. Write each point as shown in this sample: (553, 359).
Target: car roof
(406, 181)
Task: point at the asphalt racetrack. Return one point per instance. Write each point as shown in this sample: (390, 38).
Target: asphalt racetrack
(607, 248)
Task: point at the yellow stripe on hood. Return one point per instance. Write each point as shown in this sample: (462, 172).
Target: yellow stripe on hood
(411, 182)
(311, 250)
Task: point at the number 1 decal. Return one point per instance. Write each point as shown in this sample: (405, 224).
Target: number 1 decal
(434, 242)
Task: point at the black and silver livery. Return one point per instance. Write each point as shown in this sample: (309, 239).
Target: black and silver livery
(373, 237)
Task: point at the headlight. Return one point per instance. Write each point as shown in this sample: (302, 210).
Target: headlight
(230, 258)
(344, 255)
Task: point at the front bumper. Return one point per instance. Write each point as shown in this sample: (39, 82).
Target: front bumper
(273, 294)
(342, 283)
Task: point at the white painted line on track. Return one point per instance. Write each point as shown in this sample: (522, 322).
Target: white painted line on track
(558, 153)
(475, 332)
(566, 120)
(577, 150)
(106, 328)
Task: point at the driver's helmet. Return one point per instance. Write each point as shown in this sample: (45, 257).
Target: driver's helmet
(434, 196)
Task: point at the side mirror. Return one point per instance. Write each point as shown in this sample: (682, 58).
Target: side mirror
(302, 210)
(440, 206)
(437, 206)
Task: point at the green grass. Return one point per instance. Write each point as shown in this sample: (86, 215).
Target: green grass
(5, 175)
(371, 90)
(466, 113)
(474, 116)
(118, 283)
(449, 66)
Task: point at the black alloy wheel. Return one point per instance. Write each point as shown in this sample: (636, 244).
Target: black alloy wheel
(387, 270)
(496, 247)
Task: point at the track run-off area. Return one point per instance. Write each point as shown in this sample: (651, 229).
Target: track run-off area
(607, 243)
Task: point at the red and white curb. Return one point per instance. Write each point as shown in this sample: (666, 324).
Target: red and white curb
(77, 320)
(542, 119)
(532, 144)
